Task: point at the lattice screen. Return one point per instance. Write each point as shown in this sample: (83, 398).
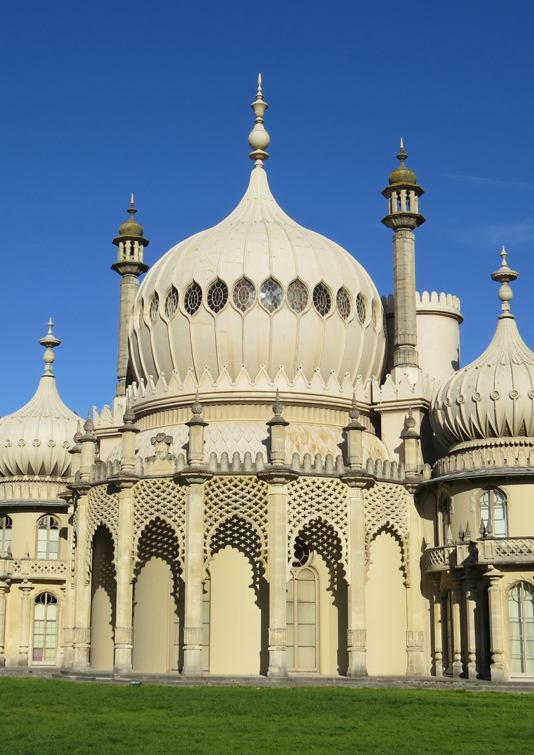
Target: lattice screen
(162, 499)
(387, 508)
(240, 503)
(318, 499)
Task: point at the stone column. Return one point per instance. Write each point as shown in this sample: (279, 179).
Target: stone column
(405, 313)
(470, 618)
(124, 605)
(457, 665)
(498, 665)
(25, 621)
(193, 570)
(4, 589)
(278, 562)
(437, 626)
(67, 659)
(82, 609)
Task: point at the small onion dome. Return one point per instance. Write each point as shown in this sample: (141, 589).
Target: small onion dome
(131, 227)
(402, 175)
(493, 397)
(36, 439)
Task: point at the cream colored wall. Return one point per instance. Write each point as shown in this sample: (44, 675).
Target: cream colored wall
(103, 593)
(385, 607)
(235, 618)
(153, 617)
(24, 533)
(438, 344)
(466, 506)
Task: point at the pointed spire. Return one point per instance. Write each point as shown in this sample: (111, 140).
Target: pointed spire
(258, 138)
(50, 342)
(402, 154)
(505, 275)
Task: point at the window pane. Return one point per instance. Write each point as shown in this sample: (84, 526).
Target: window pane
(306, 591)
(306, 658)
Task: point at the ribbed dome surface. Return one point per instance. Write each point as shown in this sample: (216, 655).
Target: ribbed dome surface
(202, 304)
(493, 397)
(35, 439)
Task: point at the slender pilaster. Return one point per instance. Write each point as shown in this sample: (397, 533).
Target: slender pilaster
(4, 589)
(278, 476)
(123, 628)
(498, 665)
(26, 589)
(471, 587)
(437, 625)
(67, 658)
(82, 608)
(130, 266)
(457, 665)
(277, 578)
(403, 202)
(194, 542)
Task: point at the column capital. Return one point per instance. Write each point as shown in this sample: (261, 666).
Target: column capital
(193, 476)
(278, 475)
(358, 479)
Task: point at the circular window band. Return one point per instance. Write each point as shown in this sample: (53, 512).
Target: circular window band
(154, 306)
(244, 294)
(297, 296)
(271, 295)
(343, 303)
(322, 301)
(217, 295)
(193, 298)
(171, 303)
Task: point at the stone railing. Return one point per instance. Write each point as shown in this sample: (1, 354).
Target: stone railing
(24, 568)
(509, 550)
(383, 470)
(489, 455)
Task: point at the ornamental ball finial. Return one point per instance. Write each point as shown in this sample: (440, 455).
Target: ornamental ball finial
(50, 342)
(197, 406)
(277, 407)
(258, 138)
(354, 412)
(505, 275)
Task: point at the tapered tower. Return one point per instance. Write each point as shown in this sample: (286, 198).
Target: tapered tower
(403, 217)
(130, 266)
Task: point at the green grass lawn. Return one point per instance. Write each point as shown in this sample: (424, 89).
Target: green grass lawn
(42, 717)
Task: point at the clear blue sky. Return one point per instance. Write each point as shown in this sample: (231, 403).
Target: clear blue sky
(104, 98)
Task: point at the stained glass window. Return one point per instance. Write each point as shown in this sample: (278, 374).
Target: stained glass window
(297, 296)
(193, 298)
(343, 303)
(244, 294)
(322, 301)
(171, 303)
(217, 295)
(271, 295)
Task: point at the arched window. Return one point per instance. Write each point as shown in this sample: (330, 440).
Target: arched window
(493, 513)
(6, 529)
(302, 605)
(48, 538)
(521, 623)
(44, 645)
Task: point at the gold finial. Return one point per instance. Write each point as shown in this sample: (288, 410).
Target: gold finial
(505, 275)
(258, 138)
(50, 342)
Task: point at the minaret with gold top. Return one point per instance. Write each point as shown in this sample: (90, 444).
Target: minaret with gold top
(130, 266)
(403, 217)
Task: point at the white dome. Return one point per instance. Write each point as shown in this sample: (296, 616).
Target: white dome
(257, 292)
(36, 439)
(493, 397)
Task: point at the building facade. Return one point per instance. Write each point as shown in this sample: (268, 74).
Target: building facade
(295, 475)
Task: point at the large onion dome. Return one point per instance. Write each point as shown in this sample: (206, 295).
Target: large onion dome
(257, 292)
(35, 440)
(493, 397)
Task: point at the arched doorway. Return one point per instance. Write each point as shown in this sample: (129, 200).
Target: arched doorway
(239, 600)
(103, 601)
(158, 601)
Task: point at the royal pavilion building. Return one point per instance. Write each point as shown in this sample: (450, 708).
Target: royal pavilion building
(295, 476)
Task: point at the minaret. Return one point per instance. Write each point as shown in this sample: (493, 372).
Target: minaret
(403, 217)
(130, 266)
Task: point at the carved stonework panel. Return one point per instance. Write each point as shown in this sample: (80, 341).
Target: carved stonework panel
(159, 499)
(312, 499)
(229, 500)
(387, 508)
